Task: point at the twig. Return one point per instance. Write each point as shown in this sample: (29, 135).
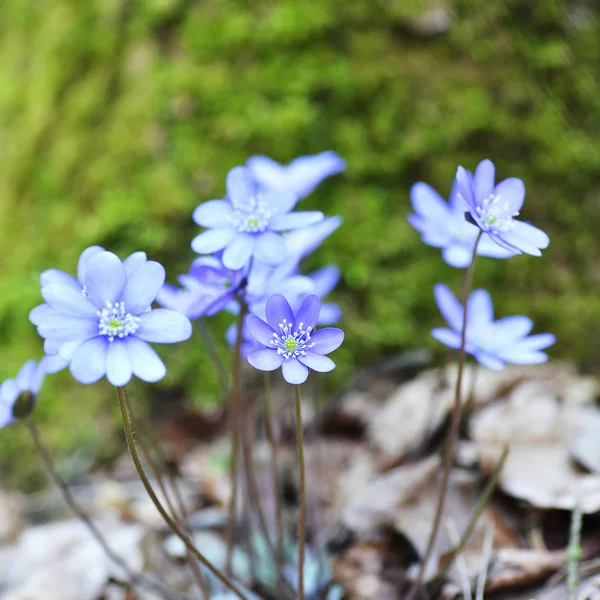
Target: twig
(454, 426)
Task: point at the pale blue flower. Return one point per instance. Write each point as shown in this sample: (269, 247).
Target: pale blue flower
(28, 380)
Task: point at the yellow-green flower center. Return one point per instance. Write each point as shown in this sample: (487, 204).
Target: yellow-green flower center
(291, 344)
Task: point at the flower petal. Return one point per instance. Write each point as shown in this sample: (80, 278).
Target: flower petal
(84, 261)
(330, 314)
(89, 363)
(240, 185)
(145, 362)
(54, 364)
(262, 332)
(534, 235)
(68, 301)
(512, 328)
(9, 392)
(67, 350)
(238, 252)
(309, 312)
(539, 341)
(214, 213)
(306, 172)
(483, 180)
(55, 276)
(143, 286)
(317, 362)
(133, 262)
(104, 279)
(521, 355)
(278, 310)
(269, 174)
(325, 279)
(447, 336)
(427, 203)
(301, 242)
(457, 255)
(118, 365)
(41, 312)
(281, 201)
(480, 311)
(449, 306)
(293, 371)
(488, 360)
(327, 340)
(512, 192)
(213, 240)
(65, 328)
(163, 326)
(295, 220)
(488, 247)
(518, 242)
(52, 346)
(270, 248)
(265, 359)
(25, 375)
(464, 188)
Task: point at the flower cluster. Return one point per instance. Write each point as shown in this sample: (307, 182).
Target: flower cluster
(479, 219)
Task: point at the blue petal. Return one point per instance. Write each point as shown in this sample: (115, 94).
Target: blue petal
(89, 363)
(64, 328)
(521, 355)
(330, 314)
(483, 180)
(260, 331)
(26, 375)
(68, 301)
(9, 392)
(309, 312)
(427, 203)
(145, 362)
(325, 279)
(104, 279)
(447, 336)
(464, 189)
(295, 220)
(163, 326)
(457, 255)
(301, 242)
(52, 346)
(269, 174)
(84, 261)
(480, 311)
(54, 364)
(265, 359)
(514, 239)
(327, 340)
(118, 365)
(306, 172)
(270, 248)
(488, 247)
(317, 362)
(488, 360)
(239, 251)
(214, 213)
(511, 192)
(281, 202)
(240, 185)
(449, 307)
(54, 276)
(512, 328)
(534, 235)
(41, 312)
(539, 341)
(213, 240)
(294, 372)
(133, 262)
(143, 286)
(278, 310)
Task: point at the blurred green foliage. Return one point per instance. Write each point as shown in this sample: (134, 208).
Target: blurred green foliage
(118, 117)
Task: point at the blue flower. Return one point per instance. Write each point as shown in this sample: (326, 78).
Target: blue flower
(493, 208)
(248, 222)
(290, 341)
(492, 343)
(29, 379)
(207, 289)
(103, 329)
(301, 176)
(443, 225)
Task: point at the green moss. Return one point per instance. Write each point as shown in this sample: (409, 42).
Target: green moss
(118, 118)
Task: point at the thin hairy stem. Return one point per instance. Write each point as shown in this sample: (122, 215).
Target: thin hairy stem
(181, 515)
(454, 426)
(213, 353)
(574, 554)
(302, 519)
(269, 418)
(125, 415)
(236, 394)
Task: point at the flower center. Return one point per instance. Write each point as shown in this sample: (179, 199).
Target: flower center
(115, 322)
(290, 343)
(495, 215)
(252, 217)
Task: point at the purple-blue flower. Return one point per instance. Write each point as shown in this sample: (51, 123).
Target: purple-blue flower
(104, 328)
(443, 225)
(493, 208)
(206, 289)
(248, 222)
(29, 379)
(290, 341)
(301, 176)
(492, 343)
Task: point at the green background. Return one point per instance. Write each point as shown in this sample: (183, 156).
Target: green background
(118, 117)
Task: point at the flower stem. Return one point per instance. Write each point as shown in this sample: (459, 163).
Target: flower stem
(213, 353)
(125, 415)
(274, 473)
(236, 394)
(302, 519)
(454, 426)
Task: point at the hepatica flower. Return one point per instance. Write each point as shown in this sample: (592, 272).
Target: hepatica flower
(301, 176)
(492, 343)
(443, 225)
(248, 222)
(104, 328)
(290, 341)
(26, 386)
(494, 208)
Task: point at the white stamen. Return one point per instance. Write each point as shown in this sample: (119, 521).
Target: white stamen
(495, 216)
(115, 322)
(292, 343)
(252, 217)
